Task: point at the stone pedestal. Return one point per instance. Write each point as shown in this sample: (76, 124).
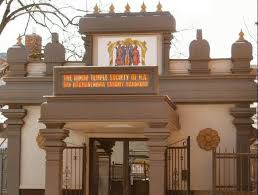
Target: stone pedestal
(157, 145)
(14, 115)
(53, 144)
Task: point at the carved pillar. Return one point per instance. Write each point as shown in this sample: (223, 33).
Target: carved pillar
(14, 122)
(157, 136)
(88, 44)
(242, 120)
(167, 37)
(53, 144)
(104, 155)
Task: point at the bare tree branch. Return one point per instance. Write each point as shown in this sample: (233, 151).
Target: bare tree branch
(48, 13)
(1, 1)
(248, 31)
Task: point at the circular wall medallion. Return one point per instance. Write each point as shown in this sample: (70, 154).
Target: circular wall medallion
(208, 139)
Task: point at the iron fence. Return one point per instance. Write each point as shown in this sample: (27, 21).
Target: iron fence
(3, 172)
(234, 172)
(178, 168)
(3, 70)
(74, 170)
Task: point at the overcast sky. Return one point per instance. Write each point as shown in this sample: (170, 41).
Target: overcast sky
(220, 20)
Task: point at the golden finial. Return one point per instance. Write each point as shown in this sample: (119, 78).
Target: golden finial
(96, 9)
(127, 8)
(143, 7)
(19, 40)
(159, 7)
(112, 8)
(241, 36)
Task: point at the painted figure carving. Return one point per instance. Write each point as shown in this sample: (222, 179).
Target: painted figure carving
(127, 52)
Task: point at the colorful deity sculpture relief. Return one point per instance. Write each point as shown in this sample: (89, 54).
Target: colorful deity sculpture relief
(127, 52)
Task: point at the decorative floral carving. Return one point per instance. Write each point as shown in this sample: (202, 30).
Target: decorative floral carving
(208, 139)
(40, 141)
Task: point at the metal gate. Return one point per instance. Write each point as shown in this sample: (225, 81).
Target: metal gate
(74, 170)
(178, 168)
(3, 170)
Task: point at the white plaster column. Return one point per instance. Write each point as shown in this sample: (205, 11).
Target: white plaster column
(103, 172)
(52, 138)
(157, 136)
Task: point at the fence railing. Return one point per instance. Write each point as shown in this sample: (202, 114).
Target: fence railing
(3, 170)
(178, 168)
(234, 172)
(3, 70)
(74, 170)
(138, 171)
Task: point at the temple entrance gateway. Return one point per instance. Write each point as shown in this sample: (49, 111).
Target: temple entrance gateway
(119, 167)
(116, 168)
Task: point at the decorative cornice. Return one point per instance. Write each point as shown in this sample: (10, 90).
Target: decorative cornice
(127, 22)
(230, 88)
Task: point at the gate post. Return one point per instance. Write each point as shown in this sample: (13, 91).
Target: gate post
(14, 115)
(52, 138)
(157, 135)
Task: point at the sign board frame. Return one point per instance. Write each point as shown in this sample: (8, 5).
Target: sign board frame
(150, 71)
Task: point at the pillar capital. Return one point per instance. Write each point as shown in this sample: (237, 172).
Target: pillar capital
(157, 136)
(106, 145)
(243, 122)
(52, 137)
(14, 116)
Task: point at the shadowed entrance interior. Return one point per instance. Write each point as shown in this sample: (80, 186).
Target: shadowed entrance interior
(119, 167)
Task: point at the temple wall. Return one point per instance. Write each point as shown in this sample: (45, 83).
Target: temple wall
(191, 120)
(176, 66)
(216, 66)
(194, 118)
(32, 157)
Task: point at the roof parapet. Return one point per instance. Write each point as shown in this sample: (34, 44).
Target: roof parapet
(199, 54)
(54, 53)
(17, 58)
(241, 54)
